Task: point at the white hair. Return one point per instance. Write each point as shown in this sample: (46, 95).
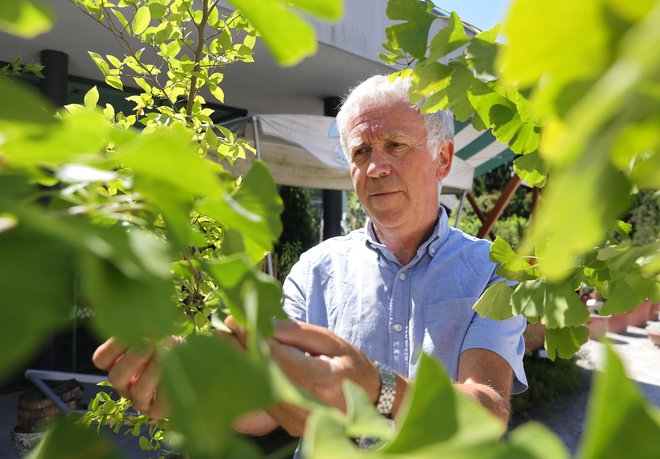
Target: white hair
(379, 89)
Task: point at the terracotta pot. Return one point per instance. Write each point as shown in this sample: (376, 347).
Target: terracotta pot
(654, 336)
(654, 311)
(619, 323)
(598, 326)
(640, 314)
(534, 336)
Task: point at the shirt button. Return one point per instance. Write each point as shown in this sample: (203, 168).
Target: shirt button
(398, 327)
(402, 276)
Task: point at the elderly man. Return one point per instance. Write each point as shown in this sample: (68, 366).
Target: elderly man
(367, 304)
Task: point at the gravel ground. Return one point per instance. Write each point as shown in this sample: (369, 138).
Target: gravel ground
(642, 362)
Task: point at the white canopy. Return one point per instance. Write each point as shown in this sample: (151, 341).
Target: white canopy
(304, 151)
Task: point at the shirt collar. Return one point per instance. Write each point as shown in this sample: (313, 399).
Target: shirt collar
(431, 245)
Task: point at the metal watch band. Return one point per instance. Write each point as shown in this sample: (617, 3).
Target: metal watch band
(387, 389)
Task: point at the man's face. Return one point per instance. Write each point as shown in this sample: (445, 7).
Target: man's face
(393, 172)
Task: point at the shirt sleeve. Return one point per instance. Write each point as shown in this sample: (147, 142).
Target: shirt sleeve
(294, 292)
(505, 338)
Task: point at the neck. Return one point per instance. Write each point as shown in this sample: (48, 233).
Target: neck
(404, 246)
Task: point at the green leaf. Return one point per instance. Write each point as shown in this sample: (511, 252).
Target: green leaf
(537, 441)
(91, 98)
(22, 105)
(288, 37)
(232, 274)
(633, 140)
(251, 213)
(617, 411)
(448, 39)
(37, 282)
(69, 439)
(362, 419)
(565, 342)
(532, 169)
(169, 173)
(331, 10)
(435, 415)
(646, 172)
(495, 302)
(25, 18)
(502, 253)
(412, 35)
(208, 384)
(627, 293)
(141, 20)
(78, 134)
(157, 10)
(557, 305)
(325, 438)
(140, 294)
(481, 53)
(539, 46)
(577, 208)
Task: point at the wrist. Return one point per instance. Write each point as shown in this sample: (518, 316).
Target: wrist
(388, 389)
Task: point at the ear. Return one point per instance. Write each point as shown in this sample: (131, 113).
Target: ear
(445, 158)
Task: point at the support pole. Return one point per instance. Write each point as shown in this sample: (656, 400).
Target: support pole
(478, 212)
(54, 85)
(460, 208)
(332, 199)
(500, 205)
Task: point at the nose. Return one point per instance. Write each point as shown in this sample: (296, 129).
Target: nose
(379, 164)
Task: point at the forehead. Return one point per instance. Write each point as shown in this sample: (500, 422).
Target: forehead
(382, 120)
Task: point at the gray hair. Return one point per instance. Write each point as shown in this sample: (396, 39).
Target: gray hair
(378, 88)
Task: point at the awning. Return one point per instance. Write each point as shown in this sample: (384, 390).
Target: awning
(304, 151)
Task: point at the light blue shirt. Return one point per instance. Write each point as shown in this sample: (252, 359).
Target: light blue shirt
(355, 287)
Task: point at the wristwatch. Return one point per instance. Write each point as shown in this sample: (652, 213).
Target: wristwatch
(387, 389)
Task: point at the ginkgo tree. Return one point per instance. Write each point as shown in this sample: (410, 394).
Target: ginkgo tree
(141, 225)
(577, 101)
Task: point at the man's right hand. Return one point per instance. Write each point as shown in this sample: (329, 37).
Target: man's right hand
(135, 374)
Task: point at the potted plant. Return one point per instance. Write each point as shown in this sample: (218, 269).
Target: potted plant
(653, 330)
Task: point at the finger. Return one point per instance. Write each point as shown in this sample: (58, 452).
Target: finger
(128, 370)
(230, 338)
(143, 390)
(159, 408)
(238, 330)
(309, 338)
(298, 366)
(108, 353)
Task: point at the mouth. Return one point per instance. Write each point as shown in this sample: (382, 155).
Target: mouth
(382, 193)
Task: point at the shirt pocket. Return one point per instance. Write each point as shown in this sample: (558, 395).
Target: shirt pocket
(445, 325)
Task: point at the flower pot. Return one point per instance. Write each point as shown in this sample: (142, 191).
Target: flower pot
(534, 336)
(618, 323)
(25, 441)
(598, 326)
(640, 314)
(654, 336)
(654, 311)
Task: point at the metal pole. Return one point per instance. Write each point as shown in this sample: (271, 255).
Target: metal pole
(257, 146)
(255, 135)
(460, 208)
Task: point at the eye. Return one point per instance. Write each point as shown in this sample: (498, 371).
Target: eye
(360, 151)
(394, 144)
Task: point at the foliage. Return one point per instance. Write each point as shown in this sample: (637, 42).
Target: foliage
(645, 217)
(549, 382)
(594, 101)
(355, 217)
(300, 228)
(17, 68)
(146, 223)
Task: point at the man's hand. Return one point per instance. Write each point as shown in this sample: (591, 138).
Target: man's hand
(318, 361)
(134, 374)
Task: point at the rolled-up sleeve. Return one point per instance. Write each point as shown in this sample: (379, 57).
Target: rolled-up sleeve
(505, 338)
